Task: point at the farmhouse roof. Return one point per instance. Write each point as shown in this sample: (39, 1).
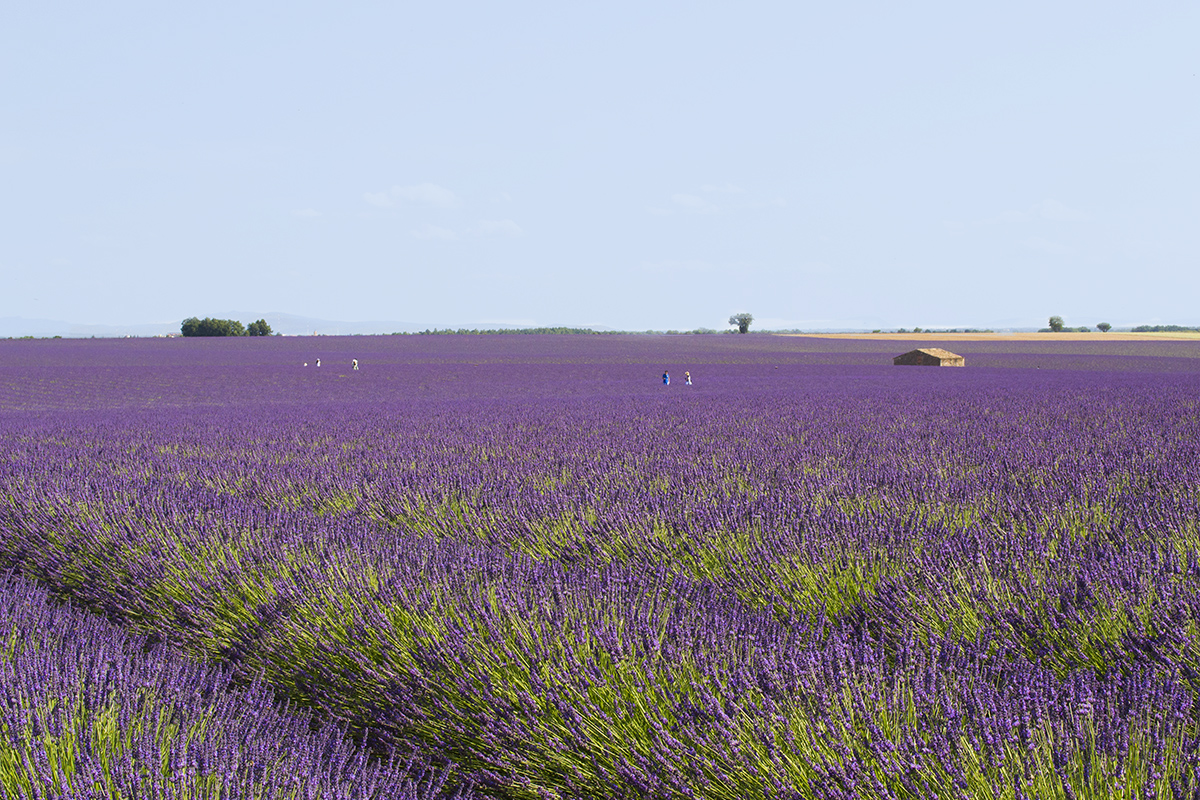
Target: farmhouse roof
(936, 352)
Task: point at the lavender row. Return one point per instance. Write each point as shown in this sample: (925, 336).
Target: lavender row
(87, 711)
(963, 512)
(543, 680)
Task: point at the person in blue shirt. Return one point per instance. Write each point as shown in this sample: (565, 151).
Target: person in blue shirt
(666, 378)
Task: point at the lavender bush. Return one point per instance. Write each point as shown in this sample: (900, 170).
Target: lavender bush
(809, 575)
(89, 711)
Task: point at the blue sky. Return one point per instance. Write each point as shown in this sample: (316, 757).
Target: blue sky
(635, 165)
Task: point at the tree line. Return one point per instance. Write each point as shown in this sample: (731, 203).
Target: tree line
(194, 326)
(742, 320)
(1058, 326)
(1165, 329)
(494, 331)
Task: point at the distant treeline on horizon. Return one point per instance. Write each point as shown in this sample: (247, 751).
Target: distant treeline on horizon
(212, 327)
(1165, 329)
(559, 330)
(194, 326)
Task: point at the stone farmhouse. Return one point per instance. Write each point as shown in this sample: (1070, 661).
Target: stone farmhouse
(929, 357)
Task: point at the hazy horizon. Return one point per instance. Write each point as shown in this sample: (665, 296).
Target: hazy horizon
(295, 325)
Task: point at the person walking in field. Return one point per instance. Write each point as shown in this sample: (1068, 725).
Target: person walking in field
(354, 361)
(666, 378)
(687, 378)
(318, 362)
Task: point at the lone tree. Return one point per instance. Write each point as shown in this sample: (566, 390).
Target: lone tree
(742, 320)
(258, 328)
(1056, 324)
(1104, 327)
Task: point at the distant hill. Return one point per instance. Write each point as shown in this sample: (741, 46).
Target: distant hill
(22, 326)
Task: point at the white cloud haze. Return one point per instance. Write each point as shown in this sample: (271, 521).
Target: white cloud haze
(500, 227)
(693, 203)
(677, 266)
(428, 231)
(1054, 210)
(422, 194)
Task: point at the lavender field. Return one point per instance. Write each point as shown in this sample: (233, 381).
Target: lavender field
(521, 567)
